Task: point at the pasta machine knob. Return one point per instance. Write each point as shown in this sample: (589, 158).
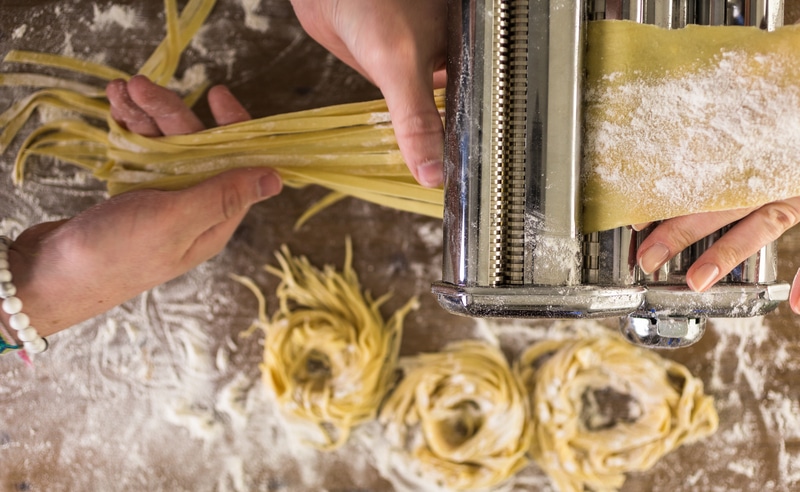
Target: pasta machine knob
(662, 332)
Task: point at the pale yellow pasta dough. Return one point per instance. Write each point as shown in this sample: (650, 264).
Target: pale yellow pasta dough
(603, 407)
(329, 355)
(460, 416)
(688, 120)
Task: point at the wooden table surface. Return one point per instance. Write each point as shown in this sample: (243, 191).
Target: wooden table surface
(163, 393)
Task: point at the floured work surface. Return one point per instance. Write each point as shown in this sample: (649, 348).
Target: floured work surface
(688, 120)
(163, 393)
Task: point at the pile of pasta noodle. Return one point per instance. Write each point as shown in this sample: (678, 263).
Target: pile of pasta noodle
(602, 407)
(587, 410)
(329, 356)
(460, 417)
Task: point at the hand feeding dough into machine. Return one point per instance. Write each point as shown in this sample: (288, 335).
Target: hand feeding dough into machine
(513, 245)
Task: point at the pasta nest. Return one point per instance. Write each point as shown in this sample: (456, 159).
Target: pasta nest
(603, 407)
(329, 356)
(461, 416)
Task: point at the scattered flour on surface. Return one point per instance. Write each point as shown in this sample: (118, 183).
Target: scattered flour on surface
(252, 20)
(19, 32)
(115, 16)
(193, 77)
(744, 467)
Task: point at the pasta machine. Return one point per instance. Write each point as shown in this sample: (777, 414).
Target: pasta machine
(513, 245)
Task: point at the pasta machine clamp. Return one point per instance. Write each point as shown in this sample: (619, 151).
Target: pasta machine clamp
(513, 246)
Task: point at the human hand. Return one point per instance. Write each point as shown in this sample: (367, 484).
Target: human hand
(756, 228)
(148, 109)
(74, 269)
(399, 45)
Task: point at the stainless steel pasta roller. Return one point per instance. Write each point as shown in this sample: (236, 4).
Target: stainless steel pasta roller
(513, 245)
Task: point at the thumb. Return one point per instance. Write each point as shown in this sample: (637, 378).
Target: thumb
(216, 206)
(417, 125)
(229, 194)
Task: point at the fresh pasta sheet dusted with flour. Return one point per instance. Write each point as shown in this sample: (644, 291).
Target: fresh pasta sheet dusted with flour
(689, 120)
(676, 122)
(329, 355)
(602, 408)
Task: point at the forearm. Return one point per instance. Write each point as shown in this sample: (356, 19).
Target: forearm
(69, 271)
(51, 301)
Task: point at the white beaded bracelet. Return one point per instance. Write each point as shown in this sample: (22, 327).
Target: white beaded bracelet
(12, 305)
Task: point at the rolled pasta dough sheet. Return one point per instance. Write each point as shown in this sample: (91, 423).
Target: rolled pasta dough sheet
(688, 120)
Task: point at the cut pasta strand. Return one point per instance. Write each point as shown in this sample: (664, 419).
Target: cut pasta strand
(81, 67)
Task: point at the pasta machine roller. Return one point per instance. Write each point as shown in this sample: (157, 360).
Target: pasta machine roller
(513, 245)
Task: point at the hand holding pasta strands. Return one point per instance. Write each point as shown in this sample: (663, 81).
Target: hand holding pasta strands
(329, 355)
(602, 407)
(460, 417)
(350, 149)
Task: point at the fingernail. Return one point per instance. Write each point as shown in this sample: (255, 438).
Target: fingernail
(430, 174)
(794, 294)
(653, 257)
(703, 277)
(220, 88)
(639, 227)
(269, 185)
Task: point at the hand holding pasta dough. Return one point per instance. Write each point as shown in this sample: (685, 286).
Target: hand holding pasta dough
(756, 227)
(400, 46)
(74, 269)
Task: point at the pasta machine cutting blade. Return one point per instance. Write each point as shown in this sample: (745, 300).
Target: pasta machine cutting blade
(513, 245)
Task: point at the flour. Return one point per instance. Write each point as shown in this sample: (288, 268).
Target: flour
(430, 233)
(66, 48)
(19, 31)
(708, 138)
(252, 20)
(206, 45)
(557, 254)
(115, 16)
(743, 334)
(744, 467)
(164, 394)
(192, 78)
